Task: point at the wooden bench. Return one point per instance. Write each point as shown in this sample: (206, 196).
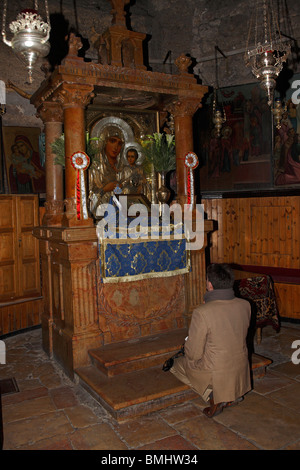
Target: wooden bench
(284, 275)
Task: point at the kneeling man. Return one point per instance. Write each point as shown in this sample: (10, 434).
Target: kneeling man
(216, 363)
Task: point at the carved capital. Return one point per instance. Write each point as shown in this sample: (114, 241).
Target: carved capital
(184, 107)
(70, 215)
(54, 207)
(70, 205)
(50, 112)
(54, 211)
(74, 95)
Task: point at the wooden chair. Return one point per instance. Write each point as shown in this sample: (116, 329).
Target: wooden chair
(259, 291)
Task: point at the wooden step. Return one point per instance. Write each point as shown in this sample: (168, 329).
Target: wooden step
(137, 354)
(127, 378)
(259, 365)
(126, 396)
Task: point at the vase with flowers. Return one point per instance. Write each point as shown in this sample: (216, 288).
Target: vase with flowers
(159, 151)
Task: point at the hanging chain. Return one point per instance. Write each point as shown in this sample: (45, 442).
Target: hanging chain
(256, 23)
(265, 21)
(4, 17)
(46, 9)
(47, 12)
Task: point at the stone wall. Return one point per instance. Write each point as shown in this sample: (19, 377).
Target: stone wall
(173, 27)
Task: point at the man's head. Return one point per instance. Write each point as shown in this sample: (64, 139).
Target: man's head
(219, 276)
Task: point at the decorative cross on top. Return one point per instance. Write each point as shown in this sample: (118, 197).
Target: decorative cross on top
(118, 12)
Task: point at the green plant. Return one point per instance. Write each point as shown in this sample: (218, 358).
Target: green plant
(58, 148)
(159, 151)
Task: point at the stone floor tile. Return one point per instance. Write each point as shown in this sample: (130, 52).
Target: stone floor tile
(206, 434)
(81, 416)
(19, 371)
(53, 443)
(63, 397)
(6, 371)
(287, 368)
(180, 412)
(28, 384)
(199, 402)
(142, 431)
(268, 418)
(48, 375)
(18, 397)
(270, 382)
(37, 428)
(21, 356)
(169, 443)
(293, 446)
(288, 396)
(267, 424)
(98, 437)
(27, 409)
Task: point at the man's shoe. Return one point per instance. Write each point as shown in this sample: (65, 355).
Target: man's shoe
(234, 403)
(214, 410)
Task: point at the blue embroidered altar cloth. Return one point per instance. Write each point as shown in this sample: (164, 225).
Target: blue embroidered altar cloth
(130, 258)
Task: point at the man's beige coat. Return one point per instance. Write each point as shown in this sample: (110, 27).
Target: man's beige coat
(216, 351)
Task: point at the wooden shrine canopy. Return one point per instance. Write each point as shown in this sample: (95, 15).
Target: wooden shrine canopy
(120, 76)
(80, 313)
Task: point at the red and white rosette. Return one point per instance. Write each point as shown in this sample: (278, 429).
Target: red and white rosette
(191, 162)
(80, 161)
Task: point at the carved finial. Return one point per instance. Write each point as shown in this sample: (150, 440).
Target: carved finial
(75, 45)
(118, 12)
(182, 63)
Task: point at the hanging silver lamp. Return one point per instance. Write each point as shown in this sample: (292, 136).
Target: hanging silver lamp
(30, 35)
(266, 51)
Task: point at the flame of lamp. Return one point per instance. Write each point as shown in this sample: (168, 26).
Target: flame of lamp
(30, 40)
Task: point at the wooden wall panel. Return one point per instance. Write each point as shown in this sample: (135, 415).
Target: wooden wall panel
(21, 315)
(9, 279)
(21, 303)
(261, 231)
(288, 300)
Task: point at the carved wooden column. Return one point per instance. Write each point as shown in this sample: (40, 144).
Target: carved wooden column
(195, 280)
(52, 116)
(74, 98)
(183, 112)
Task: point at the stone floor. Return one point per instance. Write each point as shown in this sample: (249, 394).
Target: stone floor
(49, 412)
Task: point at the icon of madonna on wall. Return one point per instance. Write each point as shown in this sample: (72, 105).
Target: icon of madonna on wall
(25, 173)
